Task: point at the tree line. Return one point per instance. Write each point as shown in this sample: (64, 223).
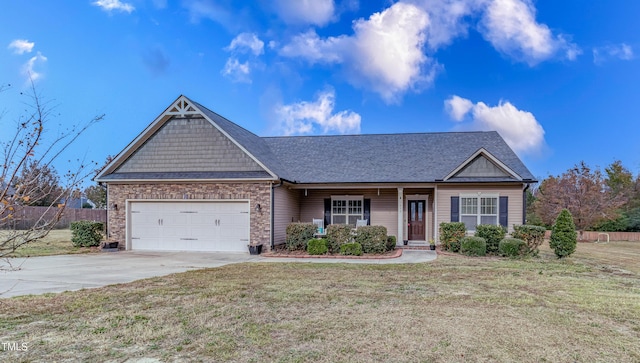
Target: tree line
(598, 201)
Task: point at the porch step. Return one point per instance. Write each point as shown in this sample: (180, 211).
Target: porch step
(416, 245)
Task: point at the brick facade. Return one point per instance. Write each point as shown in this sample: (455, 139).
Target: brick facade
(257, 193)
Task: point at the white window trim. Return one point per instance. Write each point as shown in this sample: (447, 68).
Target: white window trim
(479, 215)
(347, 198)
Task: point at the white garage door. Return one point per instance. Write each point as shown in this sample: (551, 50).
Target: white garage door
(189, 226)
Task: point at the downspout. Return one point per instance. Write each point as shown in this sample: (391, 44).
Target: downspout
(524, 204)
(272, 234)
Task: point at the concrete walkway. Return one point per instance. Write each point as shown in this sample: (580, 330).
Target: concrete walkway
(39, 275)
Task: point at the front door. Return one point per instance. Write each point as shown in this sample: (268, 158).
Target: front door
(417, 219)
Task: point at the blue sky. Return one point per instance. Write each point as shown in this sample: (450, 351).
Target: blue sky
(559, 80)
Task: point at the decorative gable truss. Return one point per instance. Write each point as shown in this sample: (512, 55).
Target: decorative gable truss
(482, 164)
(182, 108)
(181, 142)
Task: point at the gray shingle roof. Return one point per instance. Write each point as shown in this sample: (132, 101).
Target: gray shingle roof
(254, 144)
(425, 157)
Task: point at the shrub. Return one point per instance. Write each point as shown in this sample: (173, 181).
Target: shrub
(563, 235)
(512, 247)
(492, 234)
(337, 235)
(298, 234)
(450, 235)
(391, 243)
(533, 236)
(373, 239)
(351, 249)
(473, 246)
(86, 233)
(317, 246)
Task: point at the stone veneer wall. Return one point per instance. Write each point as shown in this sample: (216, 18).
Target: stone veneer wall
(260, 193)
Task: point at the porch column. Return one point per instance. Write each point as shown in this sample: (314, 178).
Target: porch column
(400, 219)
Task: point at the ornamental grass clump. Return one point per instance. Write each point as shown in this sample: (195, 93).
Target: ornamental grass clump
(564, 237)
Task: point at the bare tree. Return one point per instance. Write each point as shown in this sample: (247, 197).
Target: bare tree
(26, 154)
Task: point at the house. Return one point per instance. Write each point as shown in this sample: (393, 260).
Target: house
(77, 203)
(193, 180)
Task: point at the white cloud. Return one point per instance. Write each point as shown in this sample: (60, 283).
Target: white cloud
(247, 42)
(520, 129)
(316, 12)
(384, 55)
(305, 117)
(458, 107)
(236, 71)
(621, 51)
(313, 49)
(28, 69)
(244, 43)
(21, 46)
(110, 5)
(510, 26)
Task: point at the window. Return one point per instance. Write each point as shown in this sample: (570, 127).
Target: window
(478, 209)
(346, 210)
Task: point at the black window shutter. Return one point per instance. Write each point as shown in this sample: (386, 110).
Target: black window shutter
(504, 211)
(455, 209)
(327, 212)
(367, 211)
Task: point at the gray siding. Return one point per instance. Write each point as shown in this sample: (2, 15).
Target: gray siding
(188, 145)
(481, 167)
(384, 208)
(287, 209)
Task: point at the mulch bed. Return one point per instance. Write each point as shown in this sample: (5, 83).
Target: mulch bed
(283, 252)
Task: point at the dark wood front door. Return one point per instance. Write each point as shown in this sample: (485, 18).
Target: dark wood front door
(417, 220)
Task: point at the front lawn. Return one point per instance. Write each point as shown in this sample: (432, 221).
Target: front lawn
(57, 242)
(582, 309)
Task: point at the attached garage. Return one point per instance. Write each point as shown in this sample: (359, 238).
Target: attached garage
(222, 226)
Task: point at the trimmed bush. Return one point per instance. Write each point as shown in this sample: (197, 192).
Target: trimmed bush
(391, 243)
(86, 233)
(298, 234)
(492, 234)
(337, 235)
(533, 236)
(373, 239)
(450, 235)
(351, 249)
(317, 246)
(473, 246)
(563, 235)
(512, 247)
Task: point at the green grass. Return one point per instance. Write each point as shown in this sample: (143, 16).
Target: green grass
(57, 242)
(455, 309)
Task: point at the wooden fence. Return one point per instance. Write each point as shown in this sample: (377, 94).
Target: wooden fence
(592, 236)
(25, 217)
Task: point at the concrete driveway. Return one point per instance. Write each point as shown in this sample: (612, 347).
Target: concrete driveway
(39, 275)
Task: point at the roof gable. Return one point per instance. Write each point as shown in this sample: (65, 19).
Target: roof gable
(482, 164)
(188, 145)
(184, 142)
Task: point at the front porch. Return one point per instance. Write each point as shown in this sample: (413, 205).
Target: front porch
(407, 211)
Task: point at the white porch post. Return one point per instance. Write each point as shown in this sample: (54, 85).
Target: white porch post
(400, 219)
